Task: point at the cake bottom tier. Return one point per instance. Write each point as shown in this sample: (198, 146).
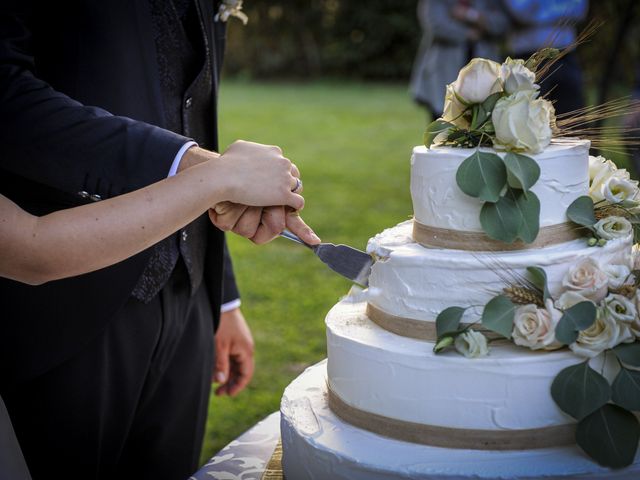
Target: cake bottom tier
(318, 445)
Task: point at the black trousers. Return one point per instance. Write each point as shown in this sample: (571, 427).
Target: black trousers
(12, 464)
(133, 403)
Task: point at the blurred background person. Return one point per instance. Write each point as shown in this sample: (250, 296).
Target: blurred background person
(454, 32)
(542, 23)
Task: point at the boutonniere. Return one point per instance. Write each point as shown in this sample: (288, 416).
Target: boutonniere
(231, 8)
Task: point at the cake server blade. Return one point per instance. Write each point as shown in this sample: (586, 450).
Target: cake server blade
(349, 262)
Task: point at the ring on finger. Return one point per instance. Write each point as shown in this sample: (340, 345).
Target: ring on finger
(298, 186)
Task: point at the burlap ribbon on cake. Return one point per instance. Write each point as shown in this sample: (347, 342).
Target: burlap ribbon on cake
(428, 236)
(445, 437)
(412, 328)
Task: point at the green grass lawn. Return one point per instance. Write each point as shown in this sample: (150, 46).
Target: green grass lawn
(352, 144)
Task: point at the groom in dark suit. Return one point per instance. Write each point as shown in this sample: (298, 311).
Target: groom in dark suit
(107, 375)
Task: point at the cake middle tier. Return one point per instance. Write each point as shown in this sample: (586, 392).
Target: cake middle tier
(411, 281)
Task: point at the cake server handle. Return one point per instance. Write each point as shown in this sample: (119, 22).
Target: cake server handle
(293, 237)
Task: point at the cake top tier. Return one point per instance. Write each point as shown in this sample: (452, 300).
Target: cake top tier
(440, 204)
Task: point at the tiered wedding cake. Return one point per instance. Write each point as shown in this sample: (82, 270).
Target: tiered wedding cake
(394, 400)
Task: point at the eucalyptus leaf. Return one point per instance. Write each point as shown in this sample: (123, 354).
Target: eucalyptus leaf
(528, 207)
(485, 108)
(501, 220)
(628, 353)
(434, 129)
(539, 279)
(448, 320)
(581, 211)
(625, 390)
(522, 171)
(498, 315)
(579, 390)
(491, 101)
(575, 319)
(482, 175)
(610, 436)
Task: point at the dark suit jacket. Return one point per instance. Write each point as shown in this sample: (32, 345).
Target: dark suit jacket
(81, 111)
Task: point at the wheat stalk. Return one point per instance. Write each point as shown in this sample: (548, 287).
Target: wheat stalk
(523, 296)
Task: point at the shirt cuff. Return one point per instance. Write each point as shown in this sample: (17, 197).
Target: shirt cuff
(178, 158)
(227, 307)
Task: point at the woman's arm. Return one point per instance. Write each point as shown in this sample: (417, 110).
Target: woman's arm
(78, 240)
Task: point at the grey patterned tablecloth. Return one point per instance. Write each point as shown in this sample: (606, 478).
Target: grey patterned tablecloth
(246, 457)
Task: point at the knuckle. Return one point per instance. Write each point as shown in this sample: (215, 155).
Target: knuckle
(246, 231)
(225, 226)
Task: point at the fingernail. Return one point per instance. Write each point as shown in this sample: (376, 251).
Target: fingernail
(220, 377)
(314, 237)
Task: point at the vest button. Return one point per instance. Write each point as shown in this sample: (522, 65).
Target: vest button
(188, 102)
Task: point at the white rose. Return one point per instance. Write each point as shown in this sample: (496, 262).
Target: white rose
(535, 327)
(523, 122)
(569, 299)
(477, 80)
(586, 278)
(454, 108)
(472, 344)
(617, 189)
(600, 170)
(604, 333)
(599, 166)
(620, 308)
(613, 227)
(618, 275)
(516, 77)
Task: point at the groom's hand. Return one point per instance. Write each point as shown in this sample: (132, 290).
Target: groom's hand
(258, 224)
(234, 364)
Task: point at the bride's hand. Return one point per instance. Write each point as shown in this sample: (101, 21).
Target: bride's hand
(259, 175)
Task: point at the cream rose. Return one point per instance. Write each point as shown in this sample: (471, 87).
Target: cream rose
(535, 327)
(523, 122)
(613, 227)
(472, 344)
(635, 257)
(617, 189)
(586, 278)
(477, 80)
(454, 108)
(617, 274)
(516, 77)
(605, 333)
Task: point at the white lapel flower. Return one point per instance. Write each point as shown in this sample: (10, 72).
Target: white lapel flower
(231, 8)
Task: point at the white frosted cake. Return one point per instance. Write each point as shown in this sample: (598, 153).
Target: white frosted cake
(394, 400)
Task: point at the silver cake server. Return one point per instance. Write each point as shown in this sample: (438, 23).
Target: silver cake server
(349, 262)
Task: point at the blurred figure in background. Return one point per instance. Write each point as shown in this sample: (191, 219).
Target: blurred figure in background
(543, 23)
(453, 32)
(632, 124)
